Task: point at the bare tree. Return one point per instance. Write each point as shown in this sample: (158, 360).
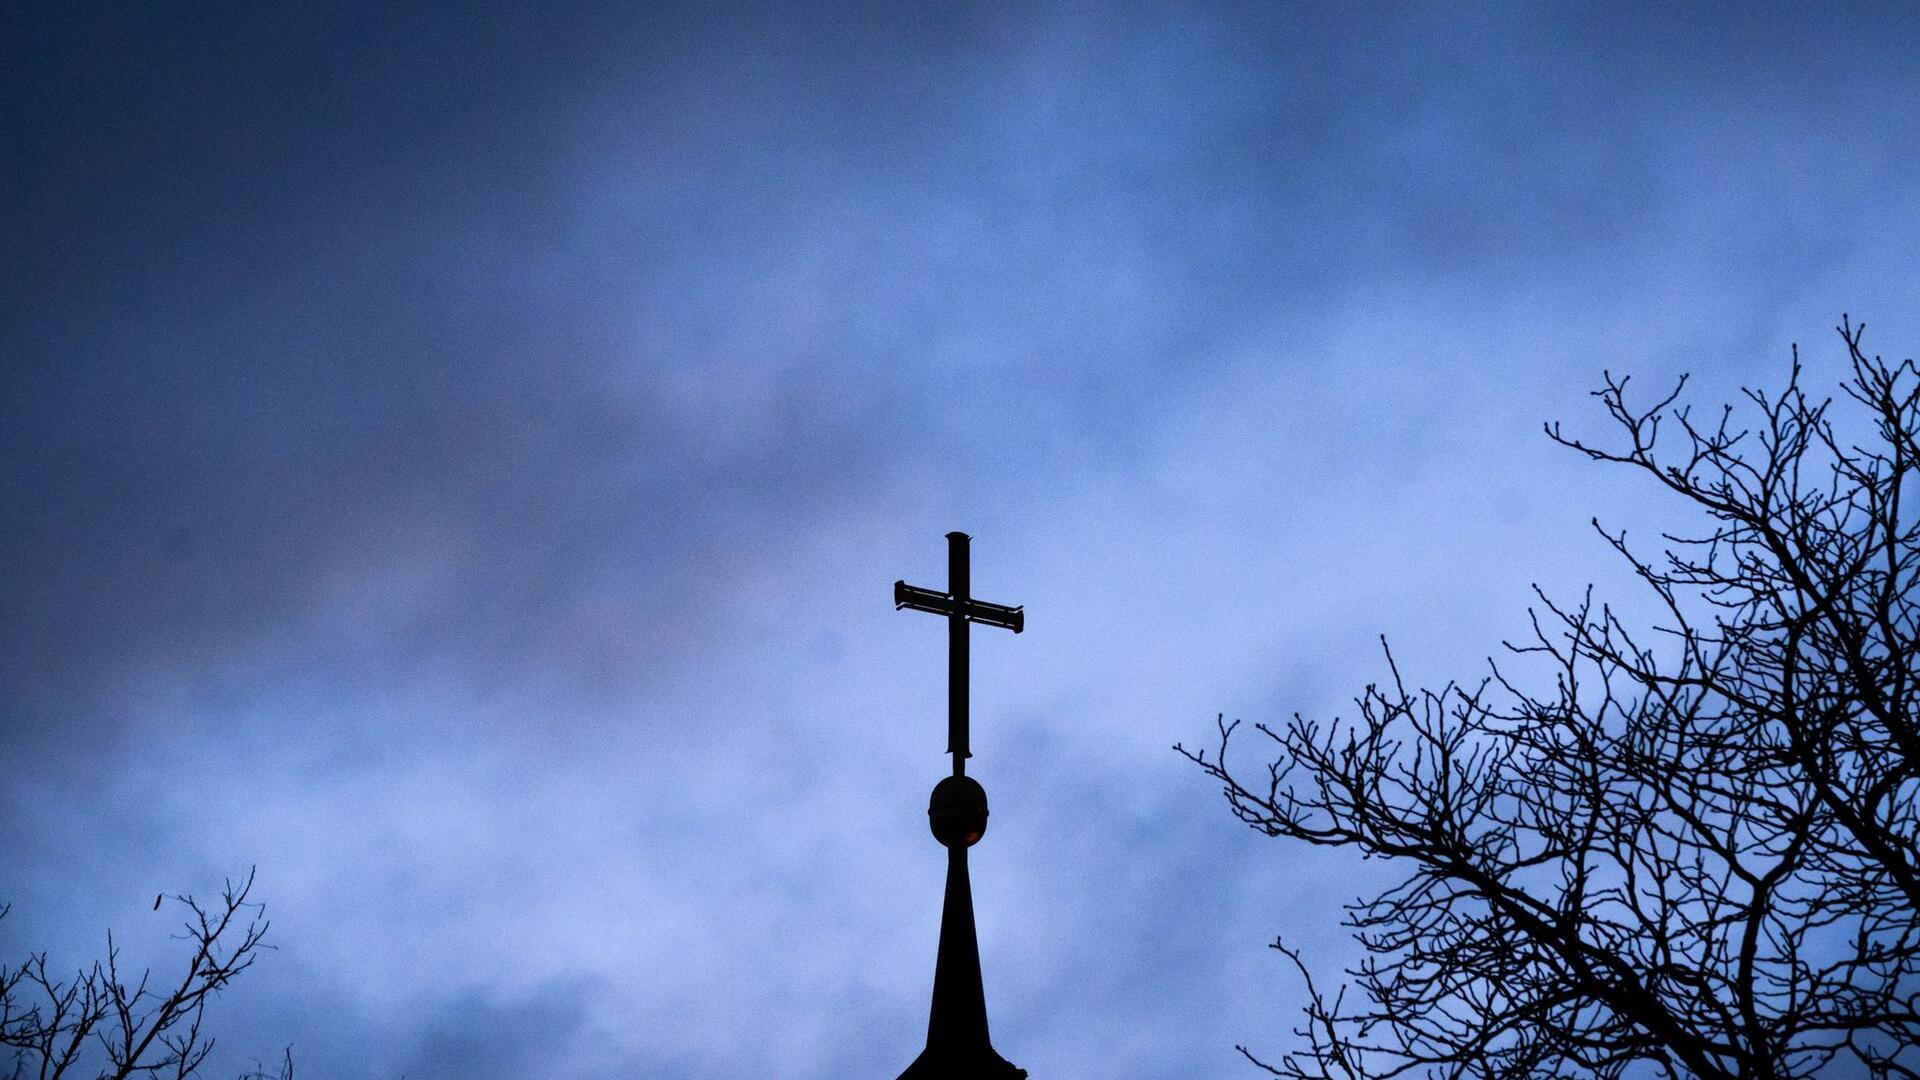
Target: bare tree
(1691, 850)
(95, 1024)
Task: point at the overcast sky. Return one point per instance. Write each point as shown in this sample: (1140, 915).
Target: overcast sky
(456, 460)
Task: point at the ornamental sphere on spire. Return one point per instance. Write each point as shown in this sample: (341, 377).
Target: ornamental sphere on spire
(957, 812)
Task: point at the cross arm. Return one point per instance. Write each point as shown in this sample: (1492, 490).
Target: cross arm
(1007, 618)
(919, 599)
(939, 603)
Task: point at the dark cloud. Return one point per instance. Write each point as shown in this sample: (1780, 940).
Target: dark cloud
(455, 459)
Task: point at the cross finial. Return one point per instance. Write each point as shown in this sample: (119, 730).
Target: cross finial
(960, 608)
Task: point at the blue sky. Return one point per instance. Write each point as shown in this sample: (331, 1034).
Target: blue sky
(457, 459)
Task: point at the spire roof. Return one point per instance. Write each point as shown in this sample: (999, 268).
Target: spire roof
(958, 1047)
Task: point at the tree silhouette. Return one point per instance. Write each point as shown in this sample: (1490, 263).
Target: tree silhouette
(1695, 850)
(96, 1025)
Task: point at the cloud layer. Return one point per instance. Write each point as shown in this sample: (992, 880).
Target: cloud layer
(456, 461)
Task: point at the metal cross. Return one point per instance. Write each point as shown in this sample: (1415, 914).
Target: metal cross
(960, 608)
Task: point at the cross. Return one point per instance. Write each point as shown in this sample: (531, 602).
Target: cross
(960, 608)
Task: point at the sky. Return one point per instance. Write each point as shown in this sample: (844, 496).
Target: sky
(457, 459)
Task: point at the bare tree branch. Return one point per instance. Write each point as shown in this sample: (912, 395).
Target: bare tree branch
(1694, 849)
(95, 1024)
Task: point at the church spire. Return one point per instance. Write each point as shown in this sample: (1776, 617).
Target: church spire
(958, 1047)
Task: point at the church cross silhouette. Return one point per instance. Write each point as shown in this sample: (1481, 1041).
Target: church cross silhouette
(957, 1044)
